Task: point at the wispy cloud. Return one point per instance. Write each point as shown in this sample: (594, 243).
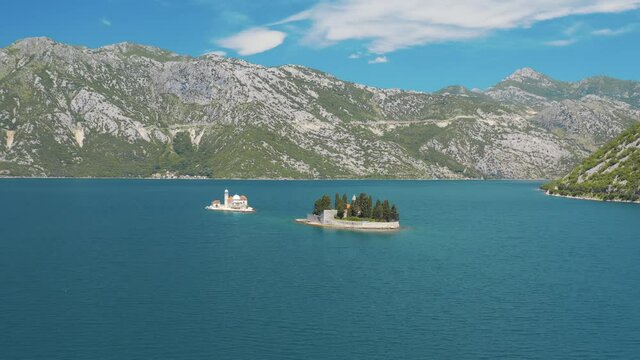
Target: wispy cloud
(355, 56)
(386, 26)
(561, 42)
(614, 32)
(580, 32)
(104, 21)
(379, 60)
(573, 29)
(253, 41)
(215, 52)
(234, 17)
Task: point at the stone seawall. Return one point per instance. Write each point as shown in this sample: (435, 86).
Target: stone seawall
(327, 219)
(368, 225)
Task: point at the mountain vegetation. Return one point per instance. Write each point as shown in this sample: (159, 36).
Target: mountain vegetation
(129, 110)
(611, 173)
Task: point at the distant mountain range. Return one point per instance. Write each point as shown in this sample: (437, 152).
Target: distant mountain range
(611, 173)
(134, 110)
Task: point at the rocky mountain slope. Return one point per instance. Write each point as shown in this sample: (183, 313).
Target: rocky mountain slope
(611, 173)
(133, 110)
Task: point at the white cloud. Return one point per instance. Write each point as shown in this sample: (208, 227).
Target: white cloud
(379, 60)
(216, 52)
(559, 43)
(573, 36)
(354, 56)
(573, 29)
(104, 21)
(614, 32)
(387, 26)
(253, 41)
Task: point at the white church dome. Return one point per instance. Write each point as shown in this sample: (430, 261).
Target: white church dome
(236, 197)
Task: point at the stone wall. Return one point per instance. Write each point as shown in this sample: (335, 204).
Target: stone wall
(328, 218)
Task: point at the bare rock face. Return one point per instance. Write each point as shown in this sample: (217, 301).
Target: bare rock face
(133, 110)
(589, 117)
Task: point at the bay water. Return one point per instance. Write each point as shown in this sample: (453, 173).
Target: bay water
(138, 269)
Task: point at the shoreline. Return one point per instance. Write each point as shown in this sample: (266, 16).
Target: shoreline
(347, 227)
(591, 198)
(250, 179)
(248, 210)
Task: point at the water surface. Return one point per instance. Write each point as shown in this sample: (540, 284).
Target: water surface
(133, 269)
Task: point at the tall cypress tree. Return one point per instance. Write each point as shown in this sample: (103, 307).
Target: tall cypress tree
(340, 206)
(386, 210)
(377, 211)
(368, 207)
(362, 204)
(395, 215)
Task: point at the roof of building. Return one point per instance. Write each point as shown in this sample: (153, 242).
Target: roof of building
(242, 197)
(236, 197)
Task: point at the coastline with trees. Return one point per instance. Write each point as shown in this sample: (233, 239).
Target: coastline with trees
(359, 213)
(361, 208)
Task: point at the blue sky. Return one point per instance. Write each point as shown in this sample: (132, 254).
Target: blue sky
(411, 44)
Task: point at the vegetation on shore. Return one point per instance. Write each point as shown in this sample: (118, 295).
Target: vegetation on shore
(612, 173)
(362, 208)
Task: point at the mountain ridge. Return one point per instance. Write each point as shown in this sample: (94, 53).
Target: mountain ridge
(612, 173)
(134, 110)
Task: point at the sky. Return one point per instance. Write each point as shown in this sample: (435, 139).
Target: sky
(419, 45)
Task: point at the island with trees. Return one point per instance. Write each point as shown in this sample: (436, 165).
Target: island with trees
(359, 214)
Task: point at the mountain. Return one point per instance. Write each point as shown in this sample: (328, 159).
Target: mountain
(611, 173)
(134, 110)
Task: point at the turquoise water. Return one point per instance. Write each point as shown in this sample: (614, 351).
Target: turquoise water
(119, 269)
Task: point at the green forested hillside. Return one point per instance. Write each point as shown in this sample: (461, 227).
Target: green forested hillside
(611, 173)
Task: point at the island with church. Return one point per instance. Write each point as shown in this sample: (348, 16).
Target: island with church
(235, 203)
(359, 214)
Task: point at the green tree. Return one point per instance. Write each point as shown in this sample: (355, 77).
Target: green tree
(395, 215)
(322, 204)
(182, 143)
(367, 207)
(362, 204)
(340, 206)
(377, 211)
(356, 207)
(386, 211)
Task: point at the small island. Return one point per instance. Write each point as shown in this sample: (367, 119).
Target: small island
(359, 214)
(235, 203)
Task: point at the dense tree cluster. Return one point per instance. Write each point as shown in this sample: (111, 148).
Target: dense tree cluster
(182, 143)
(322, 204)
(362, 208)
